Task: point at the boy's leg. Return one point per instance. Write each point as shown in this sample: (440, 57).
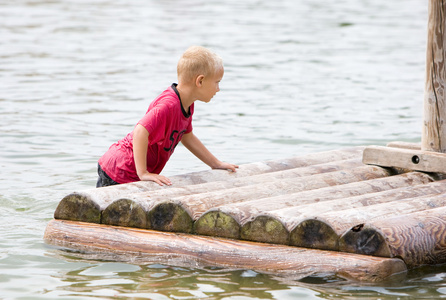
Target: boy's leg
(104, 179)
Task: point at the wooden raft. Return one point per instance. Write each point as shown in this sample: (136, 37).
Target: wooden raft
(329, 201)
(367, 213)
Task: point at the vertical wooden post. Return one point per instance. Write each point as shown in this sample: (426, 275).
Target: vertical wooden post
(431, 158)
(434, 127)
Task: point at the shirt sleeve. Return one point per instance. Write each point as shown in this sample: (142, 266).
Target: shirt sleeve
(155, 121)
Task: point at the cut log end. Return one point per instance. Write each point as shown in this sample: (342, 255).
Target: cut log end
(316, 234)
(169, 216)
(78, 207)
(265, 229)
(217, 223)
(125, 212)
(364, 240)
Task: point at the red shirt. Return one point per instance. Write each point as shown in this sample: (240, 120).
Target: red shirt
(167, 122)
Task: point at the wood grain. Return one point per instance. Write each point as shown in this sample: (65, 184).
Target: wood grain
(196, 251)
(323, 230)
(262, 213)
(197, 205)
(87, 205)
(433, 136)
(418, 238)
(417, 160)
(404, 145)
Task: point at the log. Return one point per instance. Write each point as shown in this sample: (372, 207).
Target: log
(227, 221)
(125, 212)
(87, 205)
(130, 211)
(433, 136)
(418, 238)
(425, 161)
(196, 205)
(316, 227)
(250, 180)
(130, 244)
(286, 219)
(320, 232)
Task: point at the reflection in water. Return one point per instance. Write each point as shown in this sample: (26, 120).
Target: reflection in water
(174, 282)
(97, 276)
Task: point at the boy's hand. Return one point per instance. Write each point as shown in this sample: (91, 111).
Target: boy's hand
(226, 166)
(160, 179)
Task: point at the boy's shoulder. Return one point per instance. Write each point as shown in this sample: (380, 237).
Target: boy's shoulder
(167, 99)
(168, 94)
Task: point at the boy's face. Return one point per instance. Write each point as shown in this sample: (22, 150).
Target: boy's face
(210, 86)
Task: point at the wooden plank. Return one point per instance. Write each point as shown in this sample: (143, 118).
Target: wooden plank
(425, 161)
(87, 205)
(404, 145)
(418, 238)
(196, 251)
(227, 220)
(433, 136)
(197, 205)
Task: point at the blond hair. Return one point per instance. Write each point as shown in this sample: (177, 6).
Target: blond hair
(197, 60)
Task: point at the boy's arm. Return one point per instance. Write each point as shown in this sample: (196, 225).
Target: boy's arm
(140, 146)
(194, 145)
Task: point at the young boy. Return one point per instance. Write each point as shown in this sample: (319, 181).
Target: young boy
(143, 153)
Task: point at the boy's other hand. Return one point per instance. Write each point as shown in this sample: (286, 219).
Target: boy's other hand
(160, 179)
(226, 166)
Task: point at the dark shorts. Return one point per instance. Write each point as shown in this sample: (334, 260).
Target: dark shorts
(104, 179)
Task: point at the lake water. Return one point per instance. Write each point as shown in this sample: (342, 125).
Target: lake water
(301, 76)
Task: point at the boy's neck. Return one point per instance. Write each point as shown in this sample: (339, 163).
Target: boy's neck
(186, 95)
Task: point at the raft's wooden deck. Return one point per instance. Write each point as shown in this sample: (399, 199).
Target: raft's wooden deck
(326, 201)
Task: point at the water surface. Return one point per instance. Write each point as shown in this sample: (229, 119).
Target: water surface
(300, 77)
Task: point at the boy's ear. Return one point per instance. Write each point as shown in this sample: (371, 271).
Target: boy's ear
(199, 80)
